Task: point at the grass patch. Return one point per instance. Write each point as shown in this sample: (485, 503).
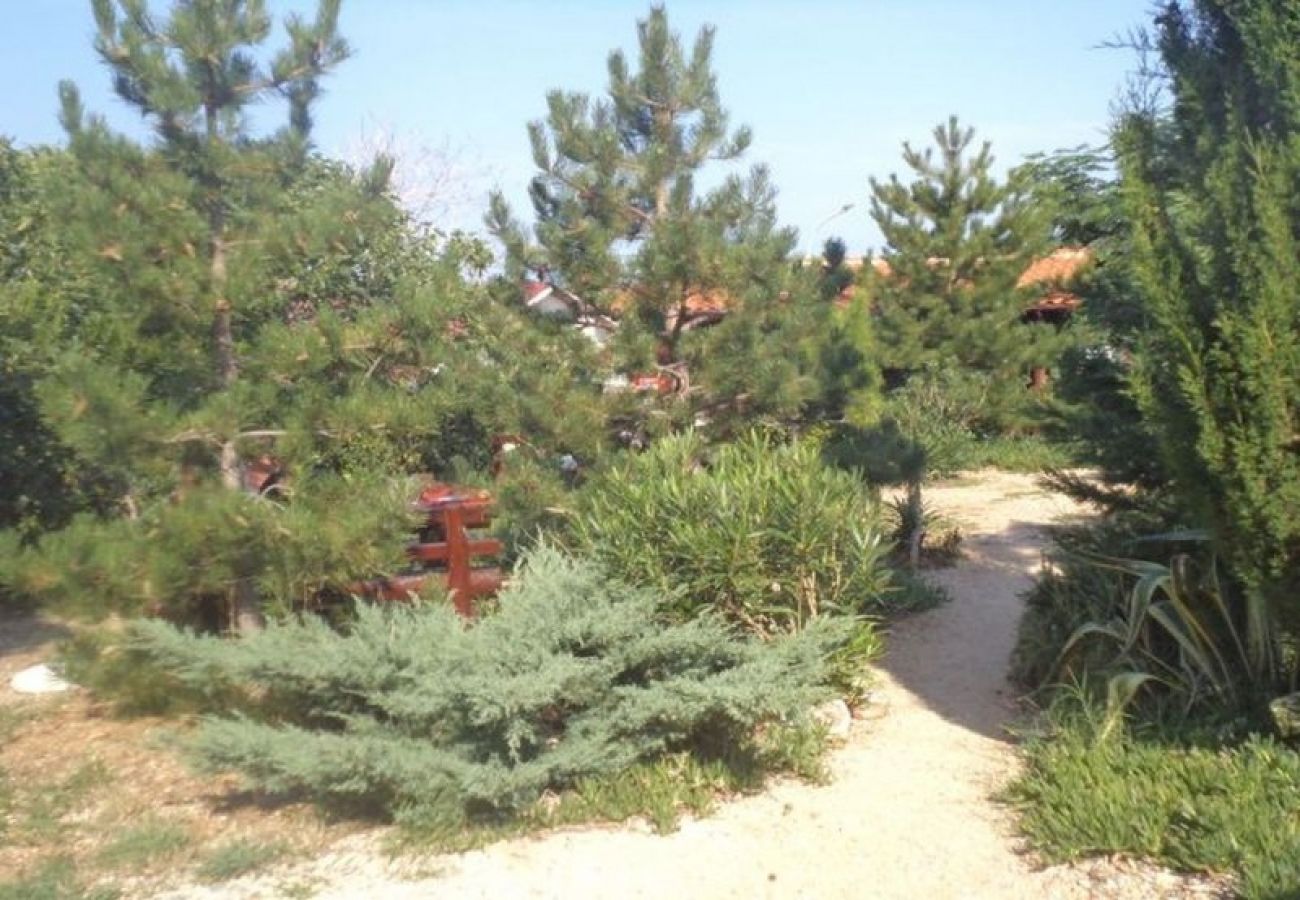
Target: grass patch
(11, 719)
(53, 879)
(914, 593)
(140, 846)
(660, 791)
(41, 809)
(1029, 454)
(1185, 800)
(238, 857)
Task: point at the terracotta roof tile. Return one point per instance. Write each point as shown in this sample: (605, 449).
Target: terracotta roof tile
(1061, 266)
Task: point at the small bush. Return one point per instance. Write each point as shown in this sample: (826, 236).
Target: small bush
(236, 858)
(940, 539)
(414, 715)
(766, 534)
(142, 845)
(1184, 800)
(940, 411)
(1073, 590)
(53, 879)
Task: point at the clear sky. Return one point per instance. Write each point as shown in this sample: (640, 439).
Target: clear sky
(830, 87)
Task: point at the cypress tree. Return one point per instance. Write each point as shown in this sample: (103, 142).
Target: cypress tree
(1213, 188)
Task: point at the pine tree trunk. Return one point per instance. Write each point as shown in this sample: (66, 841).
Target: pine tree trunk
(245, 610)
(915, 511)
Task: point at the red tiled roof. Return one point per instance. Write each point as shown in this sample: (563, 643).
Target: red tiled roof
(1059, 267)
(534, 289)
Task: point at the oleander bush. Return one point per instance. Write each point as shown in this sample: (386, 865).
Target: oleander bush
(764, 533)
(413, 714)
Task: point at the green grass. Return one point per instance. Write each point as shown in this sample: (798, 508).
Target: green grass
(141, 845)
(660, 791)
(41, 810)
(11, 719)
(1189, 802)
(1018, 454)
(238, 857)
(53, 879)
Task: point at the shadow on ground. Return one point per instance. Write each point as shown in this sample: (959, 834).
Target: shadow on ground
(954, 659)
(23, 631)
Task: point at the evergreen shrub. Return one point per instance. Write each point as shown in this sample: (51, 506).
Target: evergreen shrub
(180, 559)
(413, 714)
(765, 533)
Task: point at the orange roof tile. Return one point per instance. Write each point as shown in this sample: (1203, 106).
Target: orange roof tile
(1061, 266)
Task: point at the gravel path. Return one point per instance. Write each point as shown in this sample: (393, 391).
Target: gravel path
(907, 815)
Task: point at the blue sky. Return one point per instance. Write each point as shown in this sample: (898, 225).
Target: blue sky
(830, 87)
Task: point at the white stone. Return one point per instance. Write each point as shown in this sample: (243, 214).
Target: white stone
(38, 679)
(836, 717)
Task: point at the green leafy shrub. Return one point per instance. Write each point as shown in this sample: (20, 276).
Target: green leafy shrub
(1072, 590)
(1190, 634)
(412, 714)
(764, 533)
(1187, 800)
(940, 410)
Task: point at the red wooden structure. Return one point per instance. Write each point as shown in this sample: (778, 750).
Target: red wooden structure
(447, 549)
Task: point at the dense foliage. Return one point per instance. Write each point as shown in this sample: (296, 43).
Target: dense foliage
(412, 714)
(1213, 190)
(956, 244)
(765, 534)
(1192, 801)
(184, 312)
(622, 223)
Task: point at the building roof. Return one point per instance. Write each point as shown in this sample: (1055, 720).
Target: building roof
(1055, 272)
(1059, 267)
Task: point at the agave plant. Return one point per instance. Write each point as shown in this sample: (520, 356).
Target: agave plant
(1185, 628)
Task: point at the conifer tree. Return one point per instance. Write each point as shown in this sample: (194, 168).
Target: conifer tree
(251, 302)
(956, 241)
(619, 218)
(1213, 189)
(620, 222)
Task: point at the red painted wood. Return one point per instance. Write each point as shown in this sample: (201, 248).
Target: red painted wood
(451, 514)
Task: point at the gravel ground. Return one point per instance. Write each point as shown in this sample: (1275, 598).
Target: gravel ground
(907, 815)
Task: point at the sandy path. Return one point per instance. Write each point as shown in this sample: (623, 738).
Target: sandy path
(907, 814)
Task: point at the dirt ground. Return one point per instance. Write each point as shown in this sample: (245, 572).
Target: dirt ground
(908, 813)
(109, 801)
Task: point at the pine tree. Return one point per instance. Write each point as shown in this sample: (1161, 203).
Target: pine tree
(956, 241)
(615, 196)
(835, 276)
(250, 302)
(1213, 188)
(620, 223)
